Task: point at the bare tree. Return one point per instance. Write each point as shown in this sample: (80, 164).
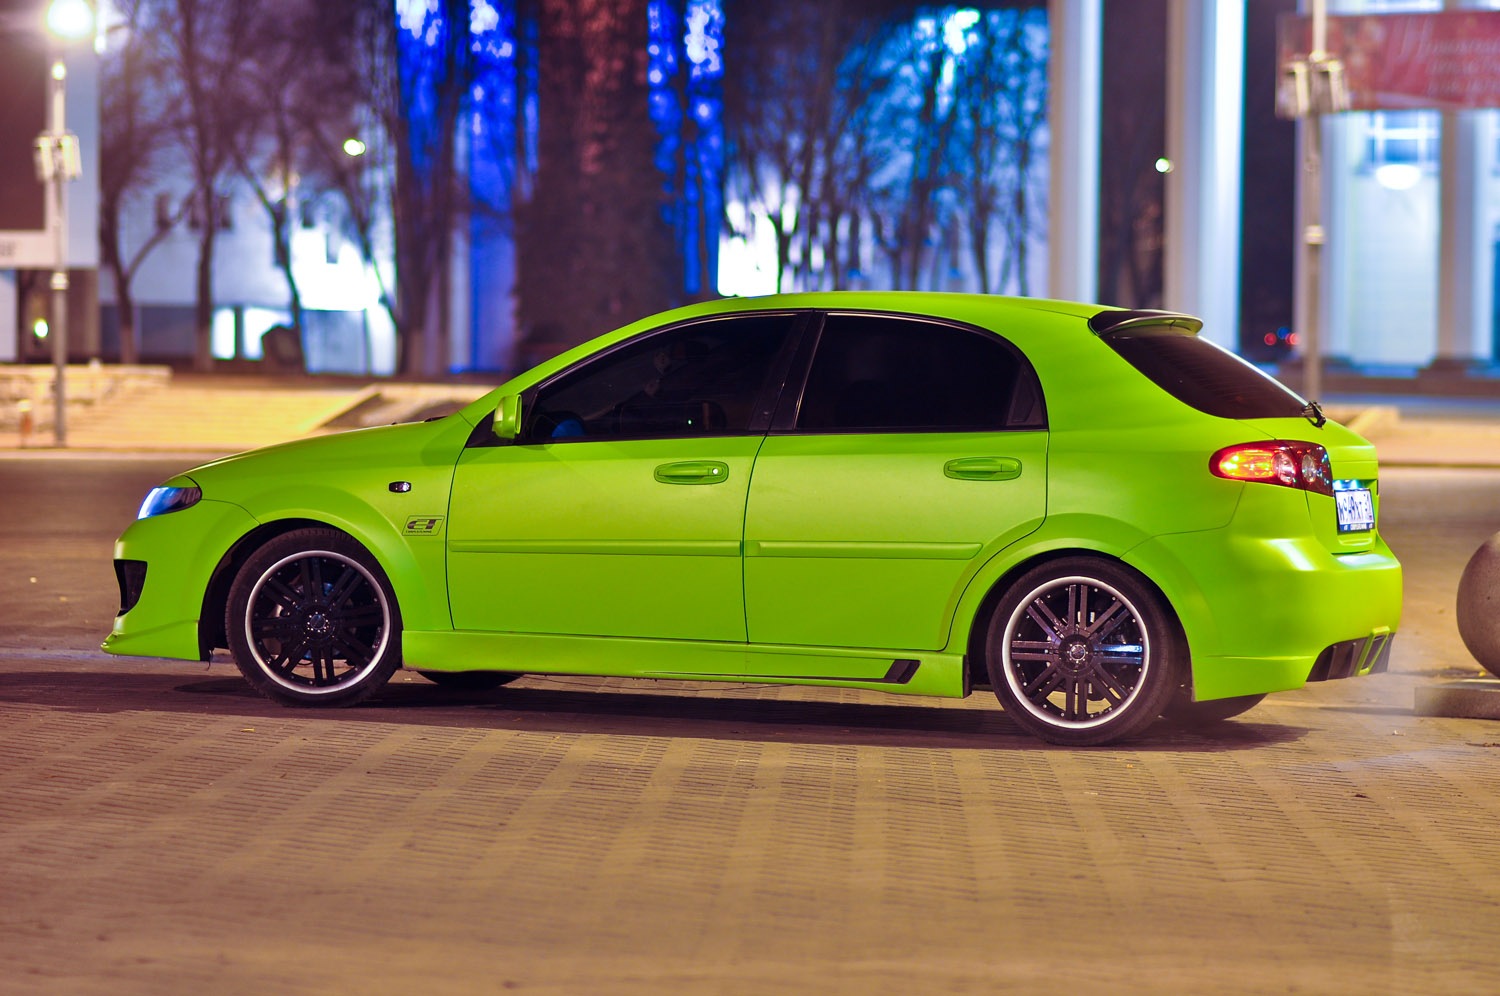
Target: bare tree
(203, 49)
(135, 129)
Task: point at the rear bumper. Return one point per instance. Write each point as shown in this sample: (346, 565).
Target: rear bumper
(1351, 658)
(1269, 614)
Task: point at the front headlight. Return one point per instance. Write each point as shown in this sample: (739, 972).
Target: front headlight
(168, 499)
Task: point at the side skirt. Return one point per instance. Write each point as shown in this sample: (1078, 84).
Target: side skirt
(899, 671)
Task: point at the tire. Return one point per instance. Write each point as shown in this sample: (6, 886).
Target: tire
(1083, 651)
(312, 620)
(470, 681)
(1181, 710)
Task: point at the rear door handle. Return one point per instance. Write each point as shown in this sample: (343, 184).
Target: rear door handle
(693, 472)
(983, 469)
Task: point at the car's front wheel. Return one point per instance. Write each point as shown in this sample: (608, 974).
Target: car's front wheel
(312, 620)
(1083, 651)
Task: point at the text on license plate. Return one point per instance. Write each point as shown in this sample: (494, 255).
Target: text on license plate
(1355, 510)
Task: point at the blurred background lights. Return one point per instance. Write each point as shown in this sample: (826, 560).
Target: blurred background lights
(70, 19)
(1398, 176)
(353, 147)
(1164, 165)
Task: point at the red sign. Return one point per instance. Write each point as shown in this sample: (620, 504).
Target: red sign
(1448, 60)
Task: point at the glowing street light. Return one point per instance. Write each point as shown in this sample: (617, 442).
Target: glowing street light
(70, 20)
(58, 161)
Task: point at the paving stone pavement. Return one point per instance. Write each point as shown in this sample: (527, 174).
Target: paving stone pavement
(163, 830)
(167, 831)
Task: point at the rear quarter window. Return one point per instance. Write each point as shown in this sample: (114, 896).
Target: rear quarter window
(1205, 375)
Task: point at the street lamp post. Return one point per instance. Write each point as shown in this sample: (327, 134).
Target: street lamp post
(58, 161)
(1317, 90)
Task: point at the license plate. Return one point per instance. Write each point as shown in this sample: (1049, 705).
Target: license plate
(1355, 509)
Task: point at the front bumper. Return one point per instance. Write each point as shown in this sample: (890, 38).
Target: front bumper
(162, 600)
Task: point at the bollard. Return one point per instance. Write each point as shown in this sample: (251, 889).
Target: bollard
(1479, 605)
(24, 423)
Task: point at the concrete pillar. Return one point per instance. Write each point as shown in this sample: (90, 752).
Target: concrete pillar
(1205, 87)
(1465, 239)
(1074, 72)
(10, 316)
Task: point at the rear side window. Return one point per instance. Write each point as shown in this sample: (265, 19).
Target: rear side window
(883, 373)
(1205, 375)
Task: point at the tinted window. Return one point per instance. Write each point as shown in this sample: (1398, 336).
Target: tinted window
(882, 373)
(1204, 375)
(701, 379)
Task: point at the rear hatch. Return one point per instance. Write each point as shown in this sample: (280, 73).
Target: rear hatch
(1166, 348)
(1346, 521)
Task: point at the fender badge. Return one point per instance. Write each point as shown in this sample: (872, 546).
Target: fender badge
(424, 525)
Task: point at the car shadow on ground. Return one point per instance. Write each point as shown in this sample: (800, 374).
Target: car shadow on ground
(541, 705)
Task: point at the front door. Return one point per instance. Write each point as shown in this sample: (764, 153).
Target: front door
(619, 510)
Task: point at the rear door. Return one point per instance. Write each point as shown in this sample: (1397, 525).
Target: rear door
(916, 450)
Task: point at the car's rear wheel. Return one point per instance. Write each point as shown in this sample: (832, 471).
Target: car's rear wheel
(472, 681)
(1181, 710)
(1083, 651)
(312, 620)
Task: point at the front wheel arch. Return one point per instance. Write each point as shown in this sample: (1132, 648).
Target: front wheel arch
(312, 619)
(211, 635)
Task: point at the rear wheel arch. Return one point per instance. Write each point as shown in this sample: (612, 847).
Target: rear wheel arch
(1083, 650)
(978, 670)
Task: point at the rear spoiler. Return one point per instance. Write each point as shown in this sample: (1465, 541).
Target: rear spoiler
(1108, 322)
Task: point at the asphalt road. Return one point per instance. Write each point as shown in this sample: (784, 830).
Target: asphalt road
(164, 830)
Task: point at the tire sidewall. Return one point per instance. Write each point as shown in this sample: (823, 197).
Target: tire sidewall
(1164, 651)
(252, 574)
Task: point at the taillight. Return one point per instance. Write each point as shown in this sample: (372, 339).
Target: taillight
(1287, 463)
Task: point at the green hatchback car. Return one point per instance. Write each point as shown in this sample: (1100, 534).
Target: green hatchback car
(1097, 513)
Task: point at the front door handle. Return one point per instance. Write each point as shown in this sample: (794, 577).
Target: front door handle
(693, 472)
(983, 469)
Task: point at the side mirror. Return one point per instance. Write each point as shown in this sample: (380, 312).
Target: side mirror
(508, 417)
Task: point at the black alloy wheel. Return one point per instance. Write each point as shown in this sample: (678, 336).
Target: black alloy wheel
(1082, 651)
(312, 620)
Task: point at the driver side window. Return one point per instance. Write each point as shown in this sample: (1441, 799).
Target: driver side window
(703, 379)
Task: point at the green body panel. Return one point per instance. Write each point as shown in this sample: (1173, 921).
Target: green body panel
(587, 538)
(855, 540)
(934, 674)
(180, 550)
(834, 559)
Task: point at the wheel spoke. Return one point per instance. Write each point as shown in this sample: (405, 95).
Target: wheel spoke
(275, 627)
(1041, 614)
(365, 615)
(344, 587)
(1075, 704)
(1112, 689)
(282, 594)
(1044, 684)
(290, 655)
(1032, 650)
(357, 653)
(1105, 621)
(1078, 603)
(1132, 654)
